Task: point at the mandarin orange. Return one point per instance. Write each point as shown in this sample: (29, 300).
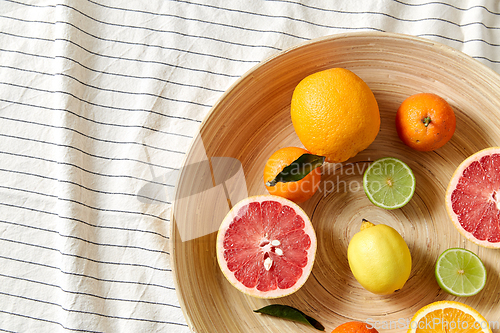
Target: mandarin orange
(355, 327)
(425, 122)
(298, 191)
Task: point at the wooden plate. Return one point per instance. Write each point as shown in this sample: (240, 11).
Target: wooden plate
(252, 120)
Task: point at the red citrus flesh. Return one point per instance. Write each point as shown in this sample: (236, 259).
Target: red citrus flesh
(473, 198)
(266, 246)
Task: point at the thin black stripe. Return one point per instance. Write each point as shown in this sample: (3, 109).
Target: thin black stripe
(141, 60)
(86, 258)
(91, 86)
(91, 207)
(150, 45)
(233, 10)
(28, 191)
(104, 209)
(88, 119)
(135, 76)
(138, 77)
(80, 185)
(245, 12)
(28, 37)
(83, 240)
(119, 58)
(444, 4)
(275, 16)
(96, 208)
(91, 172)
(48, 321)
(102, 105)
(439, 36)
(484, 58)
(29, 54)
(165, 31)
(459, 41)
(469, 40)
(3, 330)
(113, 91)
(81, 221)
(155, 30)
(352, 12)
(90, 295)
(90, 313)
(384, 14)
(236, 76)
(82, 151)
(170, 116)
(87, 276)
(101, 72)
(283, 33)
(24, 20)
(349, 28)
(33, 5)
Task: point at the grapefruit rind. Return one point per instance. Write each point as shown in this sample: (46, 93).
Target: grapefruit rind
(311, 252)
(453, 184)
(440, 305)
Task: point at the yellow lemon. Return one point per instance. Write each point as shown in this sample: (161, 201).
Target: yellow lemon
(379, 258)
(334, 114)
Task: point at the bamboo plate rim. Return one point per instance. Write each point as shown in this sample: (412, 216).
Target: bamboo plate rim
(444, 50)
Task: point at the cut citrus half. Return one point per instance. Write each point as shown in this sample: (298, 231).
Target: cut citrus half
(389, 183)
(448, 316)
(473, 198)
(460, 272)
(266, 246)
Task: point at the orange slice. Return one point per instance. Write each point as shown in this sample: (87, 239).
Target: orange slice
(448, 317)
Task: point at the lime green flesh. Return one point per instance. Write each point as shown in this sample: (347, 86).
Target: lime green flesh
(460, 272)
(389, 183)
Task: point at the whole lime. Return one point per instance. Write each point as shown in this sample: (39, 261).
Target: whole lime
(379, 258)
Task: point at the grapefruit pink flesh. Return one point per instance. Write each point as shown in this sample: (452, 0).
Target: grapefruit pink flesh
(266, 246)
(473, 198)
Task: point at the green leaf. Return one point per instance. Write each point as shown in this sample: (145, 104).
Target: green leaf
(298, 169)
(288, 312)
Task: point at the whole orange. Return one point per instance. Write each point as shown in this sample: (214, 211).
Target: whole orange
(334, 114)
(355, 327)
(425, 122)
(298, 191)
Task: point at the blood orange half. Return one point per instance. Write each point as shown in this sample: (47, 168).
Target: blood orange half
(473, 198)
(266, 246)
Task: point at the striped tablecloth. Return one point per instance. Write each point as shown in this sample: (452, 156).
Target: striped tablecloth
(101, 99)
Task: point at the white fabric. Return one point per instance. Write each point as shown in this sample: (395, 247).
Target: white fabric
(101, 99)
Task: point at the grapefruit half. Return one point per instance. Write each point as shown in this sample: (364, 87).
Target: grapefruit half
(473, 198)
(266, 246)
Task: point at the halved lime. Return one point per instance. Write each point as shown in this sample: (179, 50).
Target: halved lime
(389, 183)
(460, 272)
